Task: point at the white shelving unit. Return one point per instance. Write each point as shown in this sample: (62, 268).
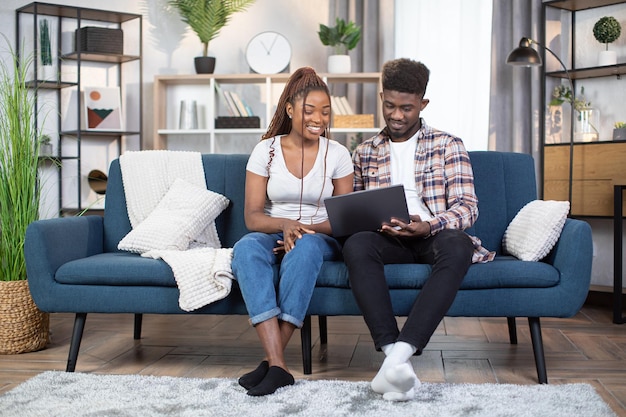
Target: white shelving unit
(260, 91)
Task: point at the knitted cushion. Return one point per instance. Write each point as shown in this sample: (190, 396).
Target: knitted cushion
(182, 215)
(535, 229)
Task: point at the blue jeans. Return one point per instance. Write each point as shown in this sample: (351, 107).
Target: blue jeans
(289, 295)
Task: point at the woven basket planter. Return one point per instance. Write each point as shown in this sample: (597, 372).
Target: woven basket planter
(23, 327)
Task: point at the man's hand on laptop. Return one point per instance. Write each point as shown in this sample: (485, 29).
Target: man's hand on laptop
(415, 228)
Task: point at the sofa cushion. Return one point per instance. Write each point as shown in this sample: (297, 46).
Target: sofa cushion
(503, 272)
(184, 213)
(534, 231)
(116, 268)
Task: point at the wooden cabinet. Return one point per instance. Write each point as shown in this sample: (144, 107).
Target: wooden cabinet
(105, 63)
(259, 91)
(597, 168)
(599, 165)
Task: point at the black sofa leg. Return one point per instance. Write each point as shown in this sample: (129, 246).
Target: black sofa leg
(138, 321)
(305, 336)
(537, 340)
(512, 330)
(323, 329)
(77, 335)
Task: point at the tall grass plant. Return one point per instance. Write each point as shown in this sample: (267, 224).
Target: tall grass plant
(19, 157)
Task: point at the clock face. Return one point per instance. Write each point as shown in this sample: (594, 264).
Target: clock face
(268, 53)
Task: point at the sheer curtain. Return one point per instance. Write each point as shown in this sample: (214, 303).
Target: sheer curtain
(453, 39)
(375, 17)
(515, 91)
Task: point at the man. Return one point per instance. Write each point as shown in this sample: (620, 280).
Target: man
(435, 169)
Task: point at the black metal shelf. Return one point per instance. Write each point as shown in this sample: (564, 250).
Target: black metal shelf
(75, 18)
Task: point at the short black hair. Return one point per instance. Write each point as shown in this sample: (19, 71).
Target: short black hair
(405, 76)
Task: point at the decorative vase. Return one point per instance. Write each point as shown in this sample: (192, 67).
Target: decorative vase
(607, 58)
(619, 134)
(47, 73)
(204, 64)
(23, 327)
(339, 64)
(586, 125)
(45, 149)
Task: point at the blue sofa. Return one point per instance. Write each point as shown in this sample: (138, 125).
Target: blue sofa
(73, 264)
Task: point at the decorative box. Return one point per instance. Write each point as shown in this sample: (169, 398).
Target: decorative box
(353, 120)
(99, 40)
(241, 122)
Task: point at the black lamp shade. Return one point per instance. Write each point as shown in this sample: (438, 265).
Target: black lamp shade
(524, 55)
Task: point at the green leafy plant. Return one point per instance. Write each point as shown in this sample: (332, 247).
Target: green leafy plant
(562, 93)
(208, 17)
(19, 153)
(343, 37)
(620, 125)
(607, 30)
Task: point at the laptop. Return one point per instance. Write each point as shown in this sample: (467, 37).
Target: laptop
(366, 210)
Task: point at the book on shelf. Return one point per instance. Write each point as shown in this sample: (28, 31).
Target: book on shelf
(230, 104)
(340, 105)
(346, 105)
(241, 107)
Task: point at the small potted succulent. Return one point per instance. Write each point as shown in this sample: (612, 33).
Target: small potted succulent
(45, 146)
(619, 131)
(606, 30)
(342, 37)
(207, 18)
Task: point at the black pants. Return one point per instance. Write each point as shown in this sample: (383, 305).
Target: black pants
(450, 254)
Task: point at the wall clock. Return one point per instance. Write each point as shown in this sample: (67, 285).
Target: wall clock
(268, 53)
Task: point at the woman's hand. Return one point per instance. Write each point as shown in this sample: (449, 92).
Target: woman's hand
(292, 231)
(415, 228)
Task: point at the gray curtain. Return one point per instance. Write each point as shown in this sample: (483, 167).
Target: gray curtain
(516, 100)
(375, 17)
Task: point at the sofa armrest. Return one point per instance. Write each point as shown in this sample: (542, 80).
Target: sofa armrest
(572, 256)
(51, 243)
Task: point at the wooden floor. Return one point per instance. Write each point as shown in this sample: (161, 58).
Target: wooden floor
(587, 348)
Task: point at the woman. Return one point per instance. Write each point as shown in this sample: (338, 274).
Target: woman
(288, 176)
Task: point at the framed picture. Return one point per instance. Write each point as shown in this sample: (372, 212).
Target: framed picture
(103, 110)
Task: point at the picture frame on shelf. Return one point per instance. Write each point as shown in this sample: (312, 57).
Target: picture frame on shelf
(102, 109)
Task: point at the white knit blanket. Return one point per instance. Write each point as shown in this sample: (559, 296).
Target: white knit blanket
(203, 274)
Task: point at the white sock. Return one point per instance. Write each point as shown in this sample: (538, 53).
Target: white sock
(396, 374)
(387, 348)
(402, 352)
(402, 396)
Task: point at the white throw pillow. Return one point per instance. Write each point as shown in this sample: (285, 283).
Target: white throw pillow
(184, 213)
(536, 228)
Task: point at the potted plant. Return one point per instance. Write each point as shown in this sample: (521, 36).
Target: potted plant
(342, 37)
(607, 30)
(45, 146)
(587, 118)
(23, 328)
(207, 18)
(619, 131)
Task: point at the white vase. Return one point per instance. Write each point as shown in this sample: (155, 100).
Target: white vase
(47, 73)
(339, 64)
(607, 58)
(587, 125)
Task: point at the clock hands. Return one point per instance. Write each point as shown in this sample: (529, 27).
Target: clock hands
(269, 50)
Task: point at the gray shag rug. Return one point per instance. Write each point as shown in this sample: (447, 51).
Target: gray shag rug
(55, 393)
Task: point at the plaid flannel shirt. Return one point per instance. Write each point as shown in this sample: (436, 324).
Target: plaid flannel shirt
(443, 175)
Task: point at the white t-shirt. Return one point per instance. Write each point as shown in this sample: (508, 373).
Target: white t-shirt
(283, 188)
(403, 172)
